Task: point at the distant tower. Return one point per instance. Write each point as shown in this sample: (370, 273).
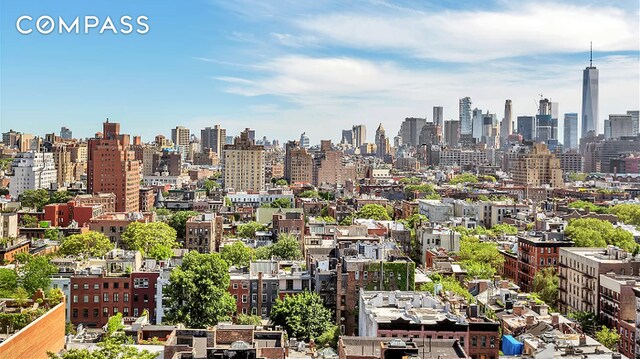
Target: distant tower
(570, 131)
(359, 133)
(466, 126)
(590, 98)
(382, 143)
(304, 140)
(506, 126)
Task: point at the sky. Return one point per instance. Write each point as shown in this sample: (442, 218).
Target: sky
(286, 67)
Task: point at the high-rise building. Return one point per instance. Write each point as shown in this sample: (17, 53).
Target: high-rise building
(180, 136)
(590, 98)
(298, 163)
(382, 142)
(328, 166)
(304, 140)
(477, 122)
(570, 131)
(65, 133)
(452, 133)
(466, 126)
(244, 164)
(213, 138)
(112, 167)
(410, 130)
(555, 111)
(618, 126)
(538, 168)
(438, 116)
(359, 133)
(635, 120)
(347, 137)
(32, 171)
(506, 126)
(526, 127)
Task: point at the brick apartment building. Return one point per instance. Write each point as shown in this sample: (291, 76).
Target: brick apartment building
(203, 233)
(617, 308)
(536, 254)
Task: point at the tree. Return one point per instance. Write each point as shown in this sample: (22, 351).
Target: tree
(197, 291)
(587, 205)
(178, 221)
(608, 337)
(282, 182)
(472, 250)
(245, 319)
(545, 284)
(35, 198)
(577, 176)
(248, 230)
(237, 254)
(115, 330)
(30, 221)
(210, 185)
(154, 240)
(424, 188)
(52, 234)
(304, 316)
(59, 197)
(464, 178)
(627, 213)
(592, 232)
(309, 194)
(34, 273)
(479, 270)
(107, 350)
(93, 244)
(54, 297)
(287, 247)
(373, 211)
(8, 282)
(501, 229)
(281, 203)
(587, 320)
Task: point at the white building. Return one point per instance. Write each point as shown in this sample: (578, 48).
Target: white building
(161, 179)
(256, 199)
(435, 210)
(31, 171)
(438, 237)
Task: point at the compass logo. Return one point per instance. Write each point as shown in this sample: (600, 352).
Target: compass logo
(46, 25)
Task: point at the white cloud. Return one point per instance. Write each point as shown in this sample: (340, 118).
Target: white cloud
(470, 36)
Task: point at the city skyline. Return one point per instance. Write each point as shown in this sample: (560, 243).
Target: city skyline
(313, 68)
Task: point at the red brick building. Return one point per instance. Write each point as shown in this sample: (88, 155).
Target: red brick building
(536, 254)
(510, 266)
(94, 298)
(112, 168)
(9, 249)
(62, 214)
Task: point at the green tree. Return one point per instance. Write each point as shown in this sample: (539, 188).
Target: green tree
(545, 284)
(587, 205)
(163, 212)
(52, 234)
(246, 319)
(592, 232)
(587, 320)
(373, 211)
(449, 284)
(107, 350)
(479, 270)
(472, 250)
(326, 219)
(464, 178)
(54, 297)
(577, 176)
(93, 244)
(30, 221)
(154, 240)
(627, 213)
(35, 273)
(287, 247)
(197, 291)
(303, 316)
(59, 197)
(608, 337)
(500, 229)
(8, 282)
(210, 185)
(35, 198)
(237, 254)
(329, 337)
(309, 194)
(282, 182)
(487, 178)
(281, 203)
(178, 221)
(249, 229)
(346, 221)
(424, 188)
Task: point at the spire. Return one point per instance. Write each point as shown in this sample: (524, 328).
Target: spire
(590, 54)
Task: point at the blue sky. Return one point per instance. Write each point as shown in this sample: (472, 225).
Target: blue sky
(284, 67)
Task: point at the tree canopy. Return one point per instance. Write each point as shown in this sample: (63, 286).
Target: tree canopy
(94, 244)
(178, 221)
(34, 272)
(249, 229)
(8, 282)
(197, 292)
(608, 337)
(40, 197)
(464, 178)
(154, 239)
(108, 349)
(246, 319)
(304, 316)
(627, 213)
(373, 211)
(309, 194)
(587, 205)
(545, 284)
(287, 247)
(473, 251)
(592, 232)
(237, 254)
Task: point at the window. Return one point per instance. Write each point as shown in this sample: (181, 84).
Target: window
(75, 312)
(115, 297)
(96, 298)
(244, 298)
(244, 310)
(105, 285)
(135, 297)
(96, 286)
(245, 285)
(75, 299)
(125, 311)
(85, 313)
(85, 286)
(474, 341)
(75, 286)
(135, 312)
(235, 285)
(141, 283)
(126, 285)
(105, 297)
(96, 312)
(125, 297)
(115, 310)
(264, 298)
(146, 298)
(105, 311)
(116, 285)
(483, 341)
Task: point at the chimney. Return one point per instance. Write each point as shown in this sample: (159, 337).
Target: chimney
(504, 284)
(529, 320)
(517, 310)
(555, 319)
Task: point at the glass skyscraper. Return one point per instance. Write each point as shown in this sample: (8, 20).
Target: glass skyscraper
(590, 99)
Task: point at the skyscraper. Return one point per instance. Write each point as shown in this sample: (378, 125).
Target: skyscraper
(438, 117)
(180, 136)
(570, 131)
(304, 140)
(382, 142)
(213, 138)
(635, 119)
(359, 133)
(477, 124)
(65, 133)
(347, 137)
(506, 126)
(298, 163)
(452, 133)
(410, 130)
(590, 98)
(526, 127)
(244, 163)
(466, 126)
(112, 167)
(619, 126)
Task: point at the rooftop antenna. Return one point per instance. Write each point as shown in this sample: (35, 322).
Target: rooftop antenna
(590, 54)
